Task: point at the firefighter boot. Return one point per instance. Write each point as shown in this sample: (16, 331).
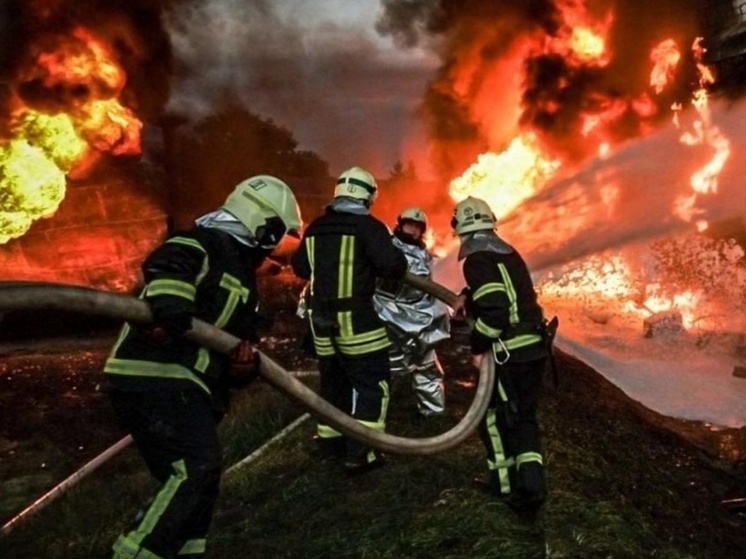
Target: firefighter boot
(361, 459)
(531, 490)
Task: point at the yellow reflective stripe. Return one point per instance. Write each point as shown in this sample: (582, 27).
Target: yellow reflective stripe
(375, 425)
(519, 341)
(364, 337)
(488, 331)
(310, 248)
(498, 463)
(501, 391)
(159, 505)
(326, 432)
(345, 324)
(365, 348)
(512, 296)
(384, 403)
(173, 287)
(186, 241)
(150, 369)
(194, 547)
(528, 457)
(126, 549)
(488, 288)
(122, 334)
(346, 266)
(236, 291)
(203, 360)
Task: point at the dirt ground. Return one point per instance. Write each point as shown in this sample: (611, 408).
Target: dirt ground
(54, 419)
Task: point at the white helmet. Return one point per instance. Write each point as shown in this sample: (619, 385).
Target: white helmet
(413, 214)
(357, 183)
(267, 207)
(472, 214)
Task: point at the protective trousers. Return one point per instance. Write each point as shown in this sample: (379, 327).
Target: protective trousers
(510, 433)
(359, 387)
(426, 376)
(176, 434)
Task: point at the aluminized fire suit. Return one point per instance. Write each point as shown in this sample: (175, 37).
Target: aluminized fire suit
(341, 254)
(416, 323)
(171, 394)
(509, 321)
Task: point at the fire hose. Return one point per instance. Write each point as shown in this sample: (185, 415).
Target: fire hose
(49, 296)
(15, 296)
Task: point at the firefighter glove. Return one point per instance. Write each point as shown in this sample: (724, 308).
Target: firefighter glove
(244, 364)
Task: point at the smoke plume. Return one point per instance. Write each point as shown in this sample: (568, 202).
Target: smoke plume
(498, 75)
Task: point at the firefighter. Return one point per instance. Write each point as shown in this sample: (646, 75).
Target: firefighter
(170, 393)
(509, 324)
(341, 254)
(415, 321)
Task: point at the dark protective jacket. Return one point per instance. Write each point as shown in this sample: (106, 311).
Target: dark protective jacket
(203, 273)
(341, 255)
(503, 302)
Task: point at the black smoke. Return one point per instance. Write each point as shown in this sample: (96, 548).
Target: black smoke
(556, 92)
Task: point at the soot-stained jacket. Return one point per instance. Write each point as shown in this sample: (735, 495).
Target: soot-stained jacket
(341, 255)
(203, 273)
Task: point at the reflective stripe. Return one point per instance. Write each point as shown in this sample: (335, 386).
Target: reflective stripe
(510, 290)
(177, 288)
(326, 432)
(151, 369)
(126, 549)
(122, 334)
(310, 247)
(186, 241)
(345, 324)
(357, 344)
(203, 360)
(499, 463)
(487, 288)
(528, 457)
(384, 402)
(194, 547)
(236, 291)
(519, 341)
(159, 505)
(486, 330)
(346, 266)
(501, 391)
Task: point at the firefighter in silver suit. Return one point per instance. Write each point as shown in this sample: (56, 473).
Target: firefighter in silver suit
(415, 321)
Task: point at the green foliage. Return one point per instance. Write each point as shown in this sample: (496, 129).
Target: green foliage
(224, 148)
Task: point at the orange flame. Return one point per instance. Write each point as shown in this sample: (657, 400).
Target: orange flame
(77, 81)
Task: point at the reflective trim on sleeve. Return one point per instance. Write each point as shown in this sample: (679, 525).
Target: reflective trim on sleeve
(236, 292)
(177, 288)
(203, 359)
(186, 241)
(487, 288)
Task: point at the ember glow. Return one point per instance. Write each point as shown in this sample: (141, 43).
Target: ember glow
(66, 112)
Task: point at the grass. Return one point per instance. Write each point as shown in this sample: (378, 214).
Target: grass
(619, 488)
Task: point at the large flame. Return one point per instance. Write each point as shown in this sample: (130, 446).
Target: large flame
(66, 112)
(508, 178)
